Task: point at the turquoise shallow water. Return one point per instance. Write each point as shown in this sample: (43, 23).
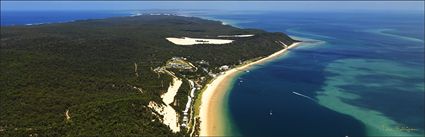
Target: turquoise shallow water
(363, 77)
(355, 80)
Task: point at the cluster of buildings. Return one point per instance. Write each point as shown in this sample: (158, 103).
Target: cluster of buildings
(179, 63)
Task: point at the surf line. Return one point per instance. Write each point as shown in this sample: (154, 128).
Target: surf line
(299, 94)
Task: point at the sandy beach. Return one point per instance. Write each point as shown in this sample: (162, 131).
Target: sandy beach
(212, 97)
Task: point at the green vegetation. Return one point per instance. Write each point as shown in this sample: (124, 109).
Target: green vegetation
(87, 68)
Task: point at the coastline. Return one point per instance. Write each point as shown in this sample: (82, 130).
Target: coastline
(211, 116)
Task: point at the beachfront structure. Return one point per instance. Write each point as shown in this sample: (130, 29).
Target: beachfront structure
(224, 67)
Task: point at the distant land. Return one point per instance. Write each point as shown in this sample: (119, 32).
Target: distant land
(119, 76)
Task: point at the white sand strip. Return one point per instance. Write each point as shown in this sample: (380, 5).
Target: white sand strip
(139, 89)
(67, 115)
(193, 41)
(192, 85)
(192, 94)
(189, 102)
(235, 36)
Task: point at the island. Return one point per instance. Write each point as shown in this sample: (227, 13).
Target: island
(150, 75)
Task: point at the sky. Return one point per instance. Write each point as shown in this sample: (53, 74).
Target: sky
(216, 5)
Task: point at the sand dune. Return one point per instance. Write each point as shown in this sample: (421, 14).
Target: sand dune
(193, 41)
(170, 117)
(236, 36)
(168, 97)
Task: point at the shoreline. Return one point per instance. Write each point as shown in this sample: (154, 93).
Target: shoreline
(210, 111)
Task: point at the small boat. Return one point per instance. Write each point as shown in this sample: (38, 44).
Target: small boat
(271, 112)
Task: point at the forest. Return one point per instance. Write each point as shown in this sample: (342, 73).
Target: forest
(85, 70)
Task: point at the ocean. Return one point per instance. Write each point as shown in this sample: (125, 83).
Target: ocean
(11, 18)
(357, 74)
(362, 75)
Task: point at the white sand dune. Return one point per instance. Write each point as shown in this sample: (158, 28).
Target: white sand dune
(169, 115)
(235, 36)
(193, 41)
(168, 97)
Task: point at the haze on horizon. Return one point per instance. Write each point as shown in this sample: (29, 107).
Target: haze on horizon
(216, 5)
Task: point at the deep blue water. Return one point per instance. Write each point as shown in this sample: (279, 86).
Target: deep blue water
(365, 78)
(9, 18)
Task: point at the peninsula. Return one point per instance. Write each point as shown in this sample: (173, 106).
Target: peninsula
(150, 75)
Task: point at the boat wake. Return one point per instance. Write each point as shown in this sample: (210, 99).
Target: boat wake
(299, 94)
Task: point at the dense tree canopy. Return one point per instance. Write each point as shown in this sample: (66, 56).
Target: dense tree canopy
(87, 68)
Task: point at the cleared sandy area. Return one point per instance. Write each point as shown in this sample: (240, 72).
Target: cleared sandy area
(67, 115)
(236, 36)
(212, 97)
(193, 41)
